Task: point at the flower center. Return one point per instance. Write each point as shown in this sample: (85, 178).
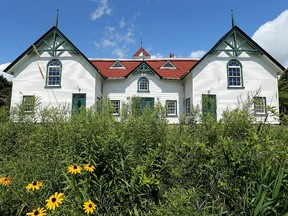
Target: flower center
(75, 167)
(53, 199)
(90, 206)
(36, 212)
(90, 165)
(34, 183)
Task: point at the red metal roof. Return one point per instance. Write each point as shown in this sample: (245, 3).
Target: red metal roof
(182, 67)
(141, 50)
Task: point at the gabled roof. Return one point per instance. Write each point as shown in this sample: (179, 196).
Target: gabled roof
(183, 66)
(104, 67)
(141, 53)
(236, 32)
(52, 32)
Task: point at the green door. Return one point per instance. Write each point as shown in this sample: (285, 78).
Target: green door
(78, 101)
(146, 102)
(209, 106)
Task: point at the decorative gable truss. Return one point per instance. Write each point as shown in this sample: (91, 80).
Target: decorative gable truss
(144, 68)
(54, 43)
(235, 42)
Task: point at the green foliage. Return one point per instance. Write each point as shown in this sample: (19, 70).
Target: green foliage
(5, 91)
(143, 165)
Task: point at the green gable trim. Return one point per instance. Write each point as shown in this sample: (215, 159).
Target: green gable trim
(143, 68)
(55, 32)
(247, 40)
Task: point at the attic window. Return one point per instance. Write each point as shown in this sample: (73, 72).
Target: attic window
(168, 65)
(117, 65)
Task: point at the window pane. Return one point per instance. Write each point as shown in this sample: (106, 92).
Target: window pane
(260, 105)
(234, 74)
(171, 107)
(116, 106)
(54, 73)
(143, 84)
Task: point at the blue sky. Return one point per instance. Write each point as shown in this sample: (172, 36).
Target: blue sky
(115, 29)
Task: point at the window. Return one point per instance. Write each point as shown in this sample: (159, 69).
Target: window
(168, 65)
(234, 73)
(171, 107)
(143, 85)
(54, 70)
(28, 103)
(188, 108)
(260, 106)
(116, 106)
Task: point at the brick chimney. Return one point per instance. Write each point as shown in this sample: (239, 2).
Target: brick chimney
(172, 55)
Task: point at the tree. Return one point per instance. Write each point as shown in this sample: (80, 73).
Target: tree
(5, 91)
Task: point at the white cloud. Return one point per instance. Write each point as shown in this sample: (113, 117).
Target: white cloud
(272, 37)
(157, 56)
(103, 9)
(197, 54)
(7, 76)
(116, 39)
(122, 23)
(119, 52)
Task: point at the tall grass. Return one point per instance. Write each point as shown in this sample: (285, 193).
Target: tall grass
(143, 166)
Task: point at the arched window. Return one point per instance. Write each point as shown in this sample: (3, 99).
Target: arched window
(143, 85)
(234, 74)
(54, 71)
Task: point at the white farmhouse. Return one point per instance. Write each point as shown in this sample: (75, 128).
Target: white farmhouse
(60, 74)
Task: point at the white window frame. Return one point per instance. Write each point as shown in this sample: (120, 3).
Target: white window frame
(260, 107)
(143, 84)
(234, 74)
(54, 73)
(171, 107)
(116, 107)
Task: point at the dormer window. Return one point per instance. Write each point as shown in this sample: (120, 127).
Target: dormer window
(168, 65)
(117, 65)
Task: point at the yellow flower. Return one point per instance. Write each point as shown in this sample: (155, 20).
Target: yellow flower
(38, 212)
(74, 169)
(54, 201)
(35, 185)
(89, 207)
(5, 180)
(89, 167)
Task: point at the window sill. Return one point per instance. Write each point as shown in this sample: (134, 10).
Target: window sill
(52, 87)
(143, 91)
(260, 114)
(236, 87)
(172, 116)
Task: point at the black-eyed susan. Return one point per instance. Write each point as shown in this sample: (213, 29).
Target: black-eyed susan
(38, 212)
(35, 185)
(74, 169)
(89, 167)
(89, 207)
(54, 201)
(5, 180)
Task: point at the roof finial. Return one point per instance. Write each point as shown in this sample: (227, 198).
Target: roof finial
(141, 43)
(56, 25)
(232, 17)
